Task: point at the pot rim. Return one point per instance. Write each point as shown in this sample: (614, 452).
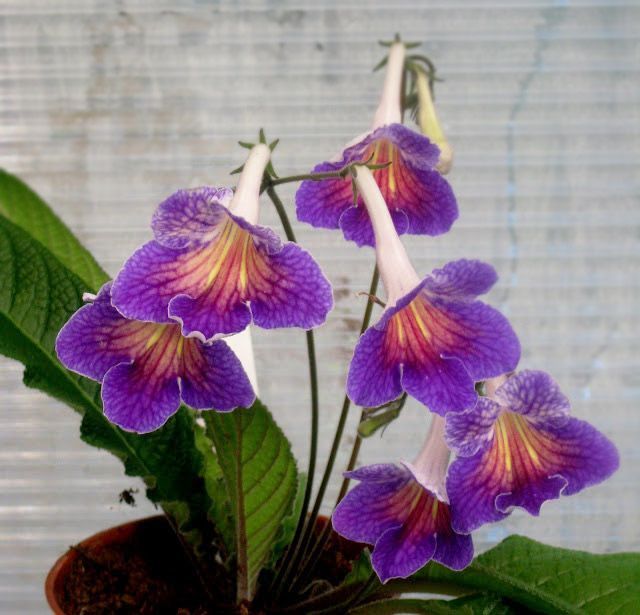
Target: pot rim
(57, 575)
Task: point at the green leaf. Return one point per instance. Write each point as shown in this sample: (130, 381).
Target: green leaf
(220, 510)
(477, 604)
(260, 475)
(22, 206)
(361, 571)
(289, 523)
(545, 579)
(37, 296)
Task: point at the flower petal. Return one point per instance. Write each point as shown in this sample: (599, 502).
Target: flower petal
(416, 149)
(425, 197)
(356, 225)
(468, 432)
(321, 203)
(462, 280)
(576, 452)
(373, 507)
(443, 385)
(97, 337)
(453, 550)
(525, 465)
(151, 277)
(399, 553)
(476, 334)
(187, 217)
(212, 377)
(536, 395)
(137, 400)
(206, 319)
(372, 381)
(425, 534)
(378, 473)
(294, 293)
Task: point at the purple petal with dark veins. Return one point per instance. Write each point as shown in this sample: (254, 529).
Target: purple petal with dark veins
(462, 280)
(137, 403)
(536, 395)
(407, 524)
(188, 218)
(408, 184)
(468, 432)
(214, 288)
(526, 464)
(212, 377)
(372, 381)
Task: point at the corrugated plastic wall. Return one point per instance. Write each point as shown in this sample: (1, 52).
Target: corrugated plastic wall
(107, 107)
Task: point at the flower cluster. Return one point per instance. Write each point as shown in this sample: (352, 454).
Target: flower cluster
(152, 337)
(515, 446)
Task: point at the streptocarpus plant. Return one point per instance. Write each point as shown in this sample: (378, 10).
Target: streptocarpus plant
(149, 361)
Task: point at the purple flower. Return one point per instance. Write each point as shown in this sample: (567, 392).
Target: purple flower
(403, 511)
(212, 269)
(520, 447)
(146, 368)
(435, 339)
(420, 201)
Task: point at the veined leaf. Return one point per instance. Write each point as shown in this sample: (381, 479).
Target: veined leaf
(22, 206)
(37, 296)
(544, 579)
(288, 524)
(478, 604)
(220, 511)
(260, 474)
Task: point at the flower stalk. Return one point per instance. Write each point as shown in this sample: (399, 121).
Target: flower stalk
(245, 201)
(290, 554)
(389, 110)
(396, 271)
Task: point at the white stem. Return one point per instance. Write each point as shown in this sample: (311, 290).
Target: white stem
(493, 384)
(429, 124)
(398, 275)
(241, 343)
(430, 466)
(245, 201)
(390, 108)
(242, 346)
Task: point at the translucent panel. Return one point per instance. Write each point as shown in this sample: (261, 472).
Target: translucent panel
(106, 108)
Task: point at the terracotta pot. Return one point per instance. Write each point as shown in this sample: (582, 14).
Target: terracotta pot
(156, 528)
(57, 577)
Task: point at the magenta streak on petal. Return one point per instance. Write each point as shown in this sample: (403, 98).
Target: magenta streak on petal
(416, 337)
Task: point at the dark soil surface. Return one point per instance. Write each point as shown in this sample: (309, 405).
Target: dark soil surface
(150, 574)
